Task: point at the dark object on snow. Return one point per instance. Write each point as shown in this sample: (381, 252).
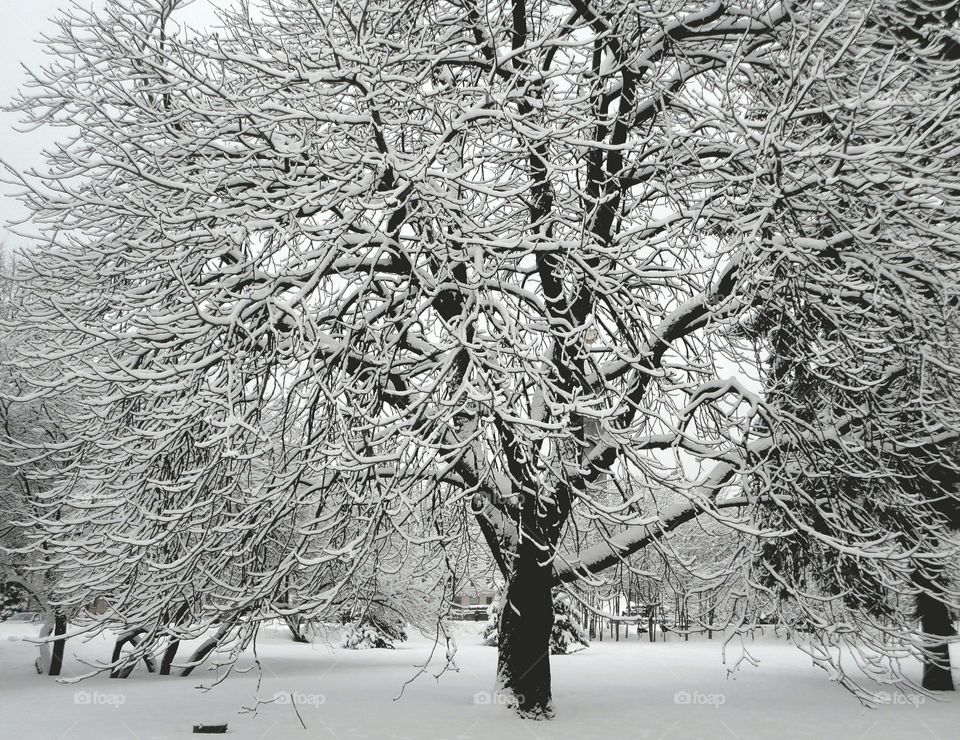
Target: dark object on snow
(210, 729)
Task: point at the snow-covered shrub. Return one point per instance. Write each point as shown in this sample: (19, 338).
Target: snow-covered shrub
(13, 599)
(491, 631)
(567, 635)
(374, 629)
(363, 635)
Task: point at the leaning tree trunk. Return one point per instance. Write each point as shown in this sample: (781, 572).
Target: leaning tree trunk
(206, 647)
(935, 621)
(124, 669)
(294, 625)
(523, 669)
(169, 655)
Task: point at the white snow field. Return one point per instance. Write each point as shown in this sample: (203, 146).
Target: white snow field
(630, 689)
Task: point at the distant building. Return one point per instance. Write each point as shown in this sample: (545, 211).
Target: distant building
(472, 599)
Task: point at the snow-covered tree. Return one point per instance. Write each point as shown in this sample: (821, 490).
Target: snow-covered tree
(26, 423)
(491, 630)
(371, 631)
(566, 635)
(350, 274)
(862, 325)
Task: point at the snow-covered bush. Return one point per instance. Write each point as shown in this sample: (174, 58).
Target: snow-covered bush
(567, 635)
(377, 627)
(491, 632)
(13, 599)
(363, 635)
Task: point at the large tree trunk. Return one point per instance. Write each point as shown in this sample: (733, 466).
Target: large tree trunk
(935, 621)
(523, 669)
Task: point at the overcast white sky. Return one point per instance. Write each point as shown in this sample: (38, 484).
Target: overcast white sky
(23, 23)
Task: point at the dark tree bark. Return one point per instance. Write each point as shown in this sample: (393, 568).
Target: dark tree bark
(169, 655)
(59, 645)
(206, 647)
(935, 621)
(293, 623)
(523, 669)
(123, 671)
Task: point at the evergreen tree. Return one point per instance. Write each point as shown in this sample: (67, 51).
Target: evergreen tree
(567, 635)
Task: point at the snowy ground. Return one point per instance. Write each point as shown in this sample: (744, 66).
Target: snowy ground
(630, 689)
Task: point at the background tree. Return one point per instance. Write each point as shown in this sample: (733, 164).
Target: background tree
(863, 316)
(27, 423)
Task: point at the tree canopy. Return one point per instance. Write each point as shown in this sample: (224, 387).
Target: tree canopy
(341, 281)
